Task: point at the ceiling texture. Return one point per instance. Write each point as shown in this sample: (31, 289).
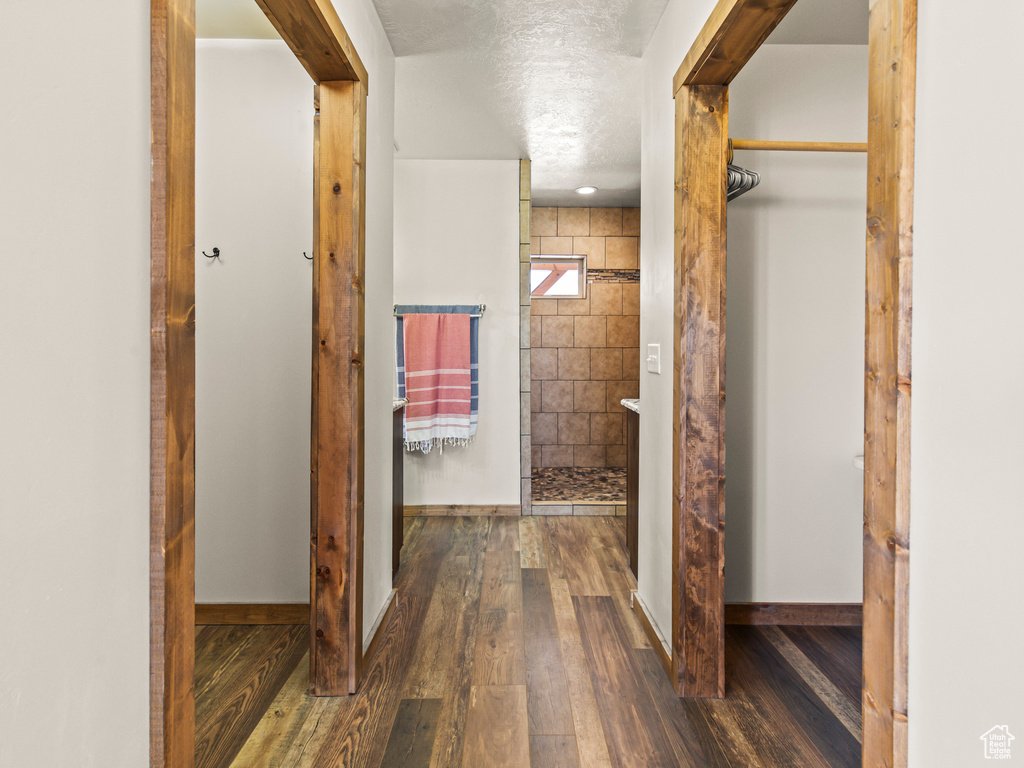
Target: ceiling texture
(557, 81)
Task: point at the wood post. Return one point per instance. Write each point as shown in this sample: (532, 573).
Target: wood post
(698, 631)
(892, 55)
(338, 329)
(172, 385)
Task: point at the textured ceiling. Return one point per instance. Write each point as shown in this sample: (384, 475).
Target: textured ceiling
(557, 81)
(553, 80)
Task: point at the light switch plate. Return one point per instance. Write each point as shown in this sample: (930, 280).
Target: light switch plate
(654, 358)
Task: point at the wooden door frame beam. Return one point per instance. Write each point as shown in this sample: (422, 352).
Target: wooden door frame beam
(892, 75)
(731, 35)
(698, 397)
(336, 532)
(313, 31)
(172, 385)
(734, 31)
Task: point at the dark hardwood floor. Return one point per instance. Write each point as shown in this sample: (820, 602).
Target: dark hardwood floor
(513, 644)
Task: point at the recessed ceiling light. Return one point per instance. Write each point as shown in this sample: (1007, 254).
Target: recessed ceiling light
(588, 190)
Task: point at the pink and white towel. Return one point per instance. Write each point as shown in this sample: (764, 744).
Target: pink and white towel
(438, 381)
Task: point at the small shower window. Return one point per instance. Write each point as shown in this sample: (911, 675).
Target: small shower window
(558, 277)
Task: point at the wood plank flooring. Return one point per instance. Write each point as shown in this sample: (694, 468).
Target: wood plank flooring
(512, 644)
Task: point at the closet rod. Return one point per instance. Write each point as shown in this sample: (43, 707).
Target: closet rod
(797, 146)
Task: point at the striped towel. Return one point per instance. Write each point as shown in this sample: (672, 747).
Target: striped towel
(437, 372)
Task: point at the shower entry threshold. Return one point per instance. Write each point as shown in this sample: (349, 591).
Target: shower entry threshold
(579, 491)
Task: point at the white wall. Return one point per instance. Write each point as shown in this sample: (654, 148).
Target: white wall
(967, 519)
(364, 27)
(795, 353)
(74, 384)
(457, 242)
(254, 201)
(671, 40)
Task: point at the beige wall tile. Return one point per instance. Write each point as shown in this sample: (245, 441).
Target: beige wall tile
(525, 456)
(573, 222)
(615, 456)
(605, 222)
(552, 509)
(558, 331)
(624, 331)
(525, 495)
(589, 397)
(556, 456)
(556, 246)
(593, 510)
(620, 253)
(524, 282)
(573, 365)
(617, 390)
(544, 428)
(588, 456)
(631, 221)
(590, 331)
(536, 399)
(631, 363)
(630, 298)
(543, 364)
(606, 364)
(536, 323)
(544, 222)
(525, 327)
(606, 299)
(537, 451)
(524, 370)
(574, 428)
(592, 248)
(535, 246)
(557, 397)
(543, 307)
(574, 306)
(605, 428)
(526, 411)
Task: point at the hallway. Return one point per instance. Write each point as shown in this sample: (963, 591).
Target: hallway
(513, 643)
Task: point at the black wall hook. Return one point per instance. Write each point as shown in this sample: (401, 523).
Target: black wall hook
(216, 254)
(309, 258)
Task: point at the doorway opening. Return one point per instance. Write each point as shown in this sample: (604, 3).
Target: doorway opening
(696, 659)
(585, 357)
(315, 34)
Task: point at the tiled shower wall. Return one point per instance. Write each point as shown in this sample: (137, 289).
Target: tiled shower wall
(585, 353)
(525, 421)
